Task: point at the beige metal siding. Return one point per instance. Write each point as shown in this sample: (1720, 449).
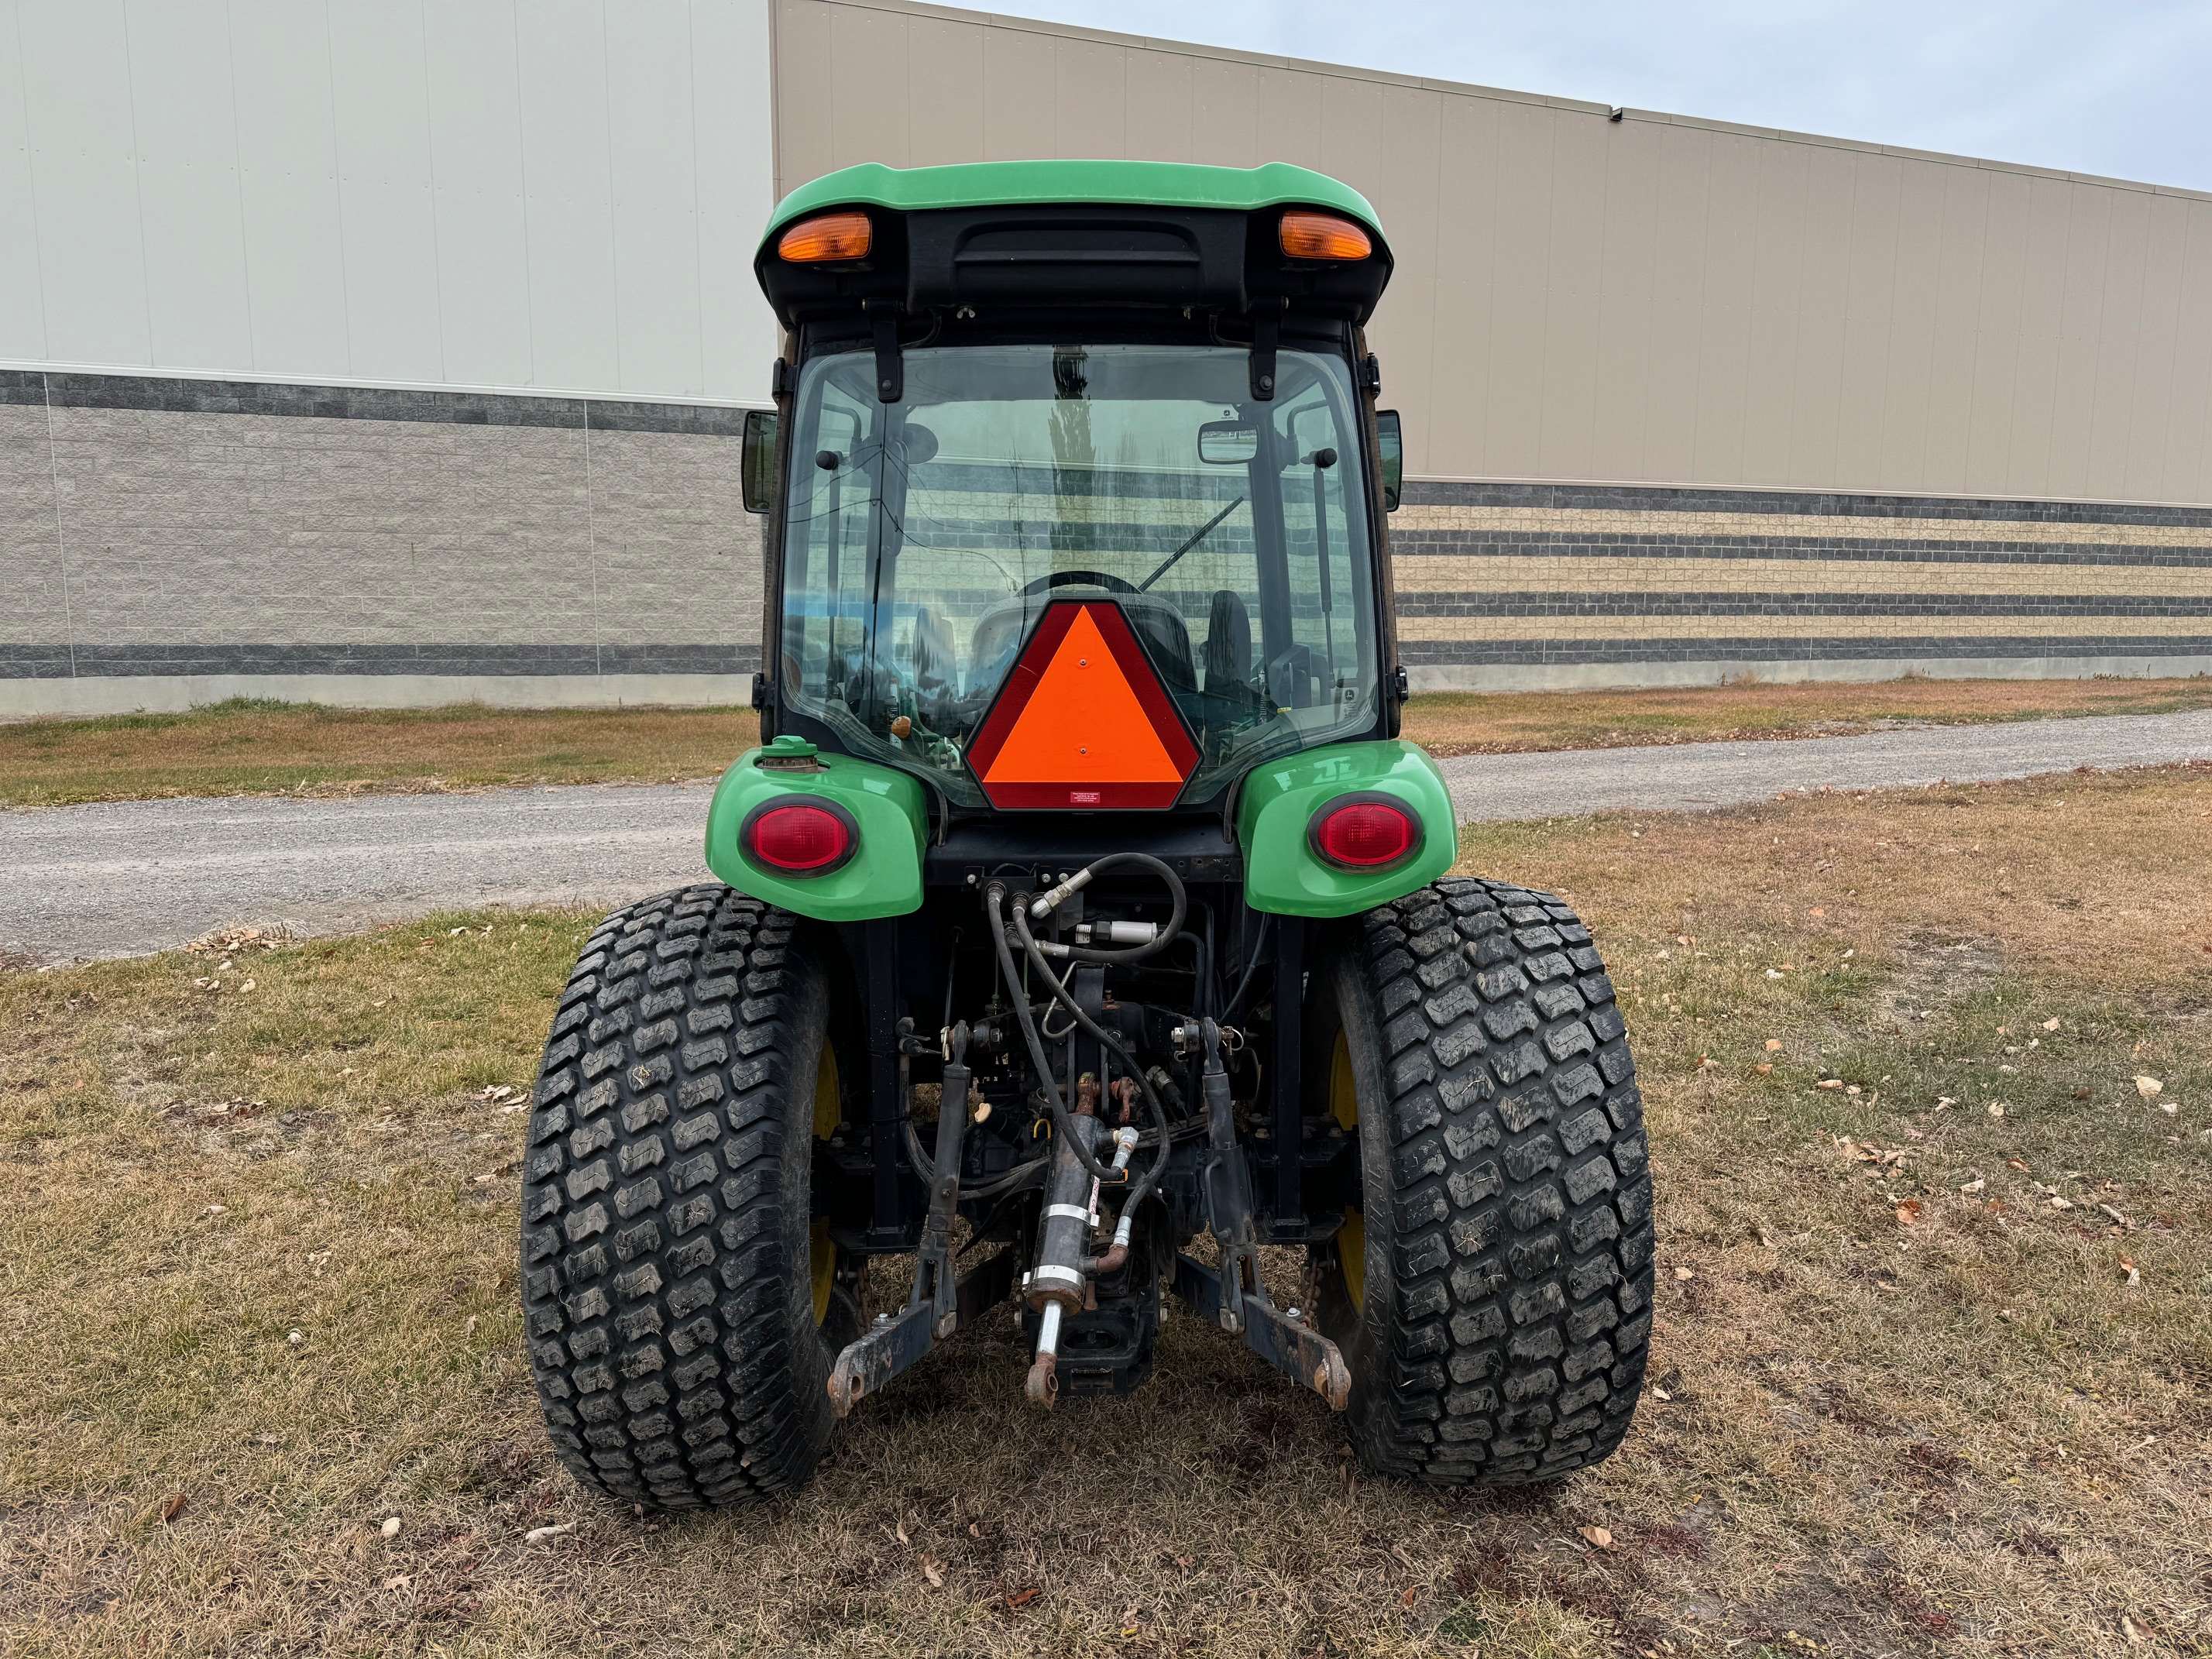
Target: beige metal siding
(1657, 299)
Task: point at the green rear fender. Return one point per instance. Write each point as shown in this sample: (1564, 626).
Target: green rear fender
(1282, 872)
(884, 879)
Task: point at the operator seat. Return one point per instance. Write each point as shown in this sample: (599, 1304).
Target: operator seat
(1228, 646)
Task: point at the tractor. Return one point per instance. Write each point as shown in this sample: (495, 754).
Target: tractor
(1083, 928)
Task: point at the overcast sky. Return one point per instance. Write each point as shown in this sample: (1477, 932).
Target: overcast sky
(2118, 88)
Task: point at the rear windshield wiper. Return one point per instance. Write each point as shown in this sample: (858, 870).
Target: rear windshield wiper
(1204, 530)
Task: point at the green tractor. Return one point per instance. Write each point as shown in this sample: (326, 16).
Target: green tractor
(1082, 898)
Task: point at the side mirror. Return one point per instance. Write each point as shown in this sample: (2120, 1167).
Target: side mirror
(757, 468)
(1390, 445)
(1228, 443)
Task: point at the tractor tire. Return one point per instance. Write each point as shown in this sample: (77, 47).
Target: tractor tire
(1492, 1293)
(682, 1308)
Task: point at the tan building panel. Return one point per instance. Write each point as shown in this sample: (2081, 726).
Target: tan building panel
(1657, 299)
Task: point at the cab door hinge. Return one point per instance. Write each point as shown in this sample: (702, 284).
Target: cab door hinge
(1266, 331)
(1399, 683)
(760, 690)
(890, 366)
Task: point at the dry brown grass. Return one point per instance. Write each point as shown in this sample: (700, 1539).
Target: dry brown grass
(1962, 1434)
(1468, 723)
(249, 748)
(256, 748)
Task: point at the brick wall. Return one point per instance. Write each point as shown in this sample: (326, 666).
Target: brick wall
(1502, 584)
(161, 540)
(166, 541)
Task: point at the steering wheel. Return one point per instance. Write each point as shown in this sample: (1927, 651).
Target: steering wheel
(1081, 579)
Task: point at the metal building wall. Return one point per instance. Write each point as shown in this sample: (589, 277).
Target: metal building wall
(1657, 300)
(377, 351)
(563, 195)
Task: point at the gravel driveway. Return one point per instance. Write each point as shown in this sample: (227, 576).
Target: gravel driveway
(131, 877)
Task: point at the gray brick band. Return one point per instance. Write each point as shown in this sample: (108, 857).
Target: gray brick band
(153, 529)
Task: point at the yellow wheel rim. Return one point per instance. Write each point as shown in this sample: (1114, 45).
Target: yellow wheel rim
(821, 1249)
(1352, 1236)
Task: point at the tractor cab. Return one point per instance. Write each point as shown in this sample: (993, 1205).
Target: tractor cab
(1076, 507)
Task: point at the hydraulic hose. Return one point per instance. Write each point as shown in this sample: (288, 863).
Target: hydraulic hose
(1006, 1180)
(1251, 971)
(1046, 903)
(1114, 1046)
(994, 897)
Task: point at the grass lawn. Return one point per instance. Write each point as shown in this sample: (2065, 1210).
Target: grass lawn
(1932, 1368)
(269, 748)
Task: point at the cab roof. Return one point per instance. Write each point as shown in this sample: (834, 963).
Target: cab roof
(1045, 237)
(1029, 184)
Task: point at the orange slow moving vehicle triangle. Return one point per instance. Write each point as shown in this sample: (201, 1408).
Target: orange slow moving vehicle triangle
(1083, 721)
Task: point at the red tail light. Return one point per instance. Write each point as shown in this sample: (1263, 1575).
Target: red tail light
(800, 838)
(1366, 832)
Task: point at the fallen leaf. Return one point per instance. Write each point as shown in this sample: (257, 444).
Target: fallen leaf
(1816, 913)
(2051, 1024)
(1908, 1212)
(901, 1530)
(172, 1507)
(1975, 1185)
(398, 1582)
(1829, 1083)
(2149, 1087)
(1684, 1274)
(2133, 1281)
(1022, 1598)
(1774, 1045)
(391, 1527)
(1764, 1067)
(546, 1535)
(1409, 1596)
(1996, 1109)
(1599, 1536)
(2135, 1633)
(246, 985)
(933, 1572)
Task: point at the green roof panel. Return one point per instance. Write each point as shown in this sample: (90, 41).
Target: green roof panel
(1015, 184)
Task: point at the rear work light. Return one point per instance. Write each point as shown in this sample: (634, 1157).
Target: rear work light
(1324, 236)
(826, 239)
(800, 838)
(1365, 832)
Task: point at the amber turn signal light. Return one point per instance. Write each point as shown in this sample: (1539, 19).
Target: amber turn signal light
(826, 239)
(1324, 236)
